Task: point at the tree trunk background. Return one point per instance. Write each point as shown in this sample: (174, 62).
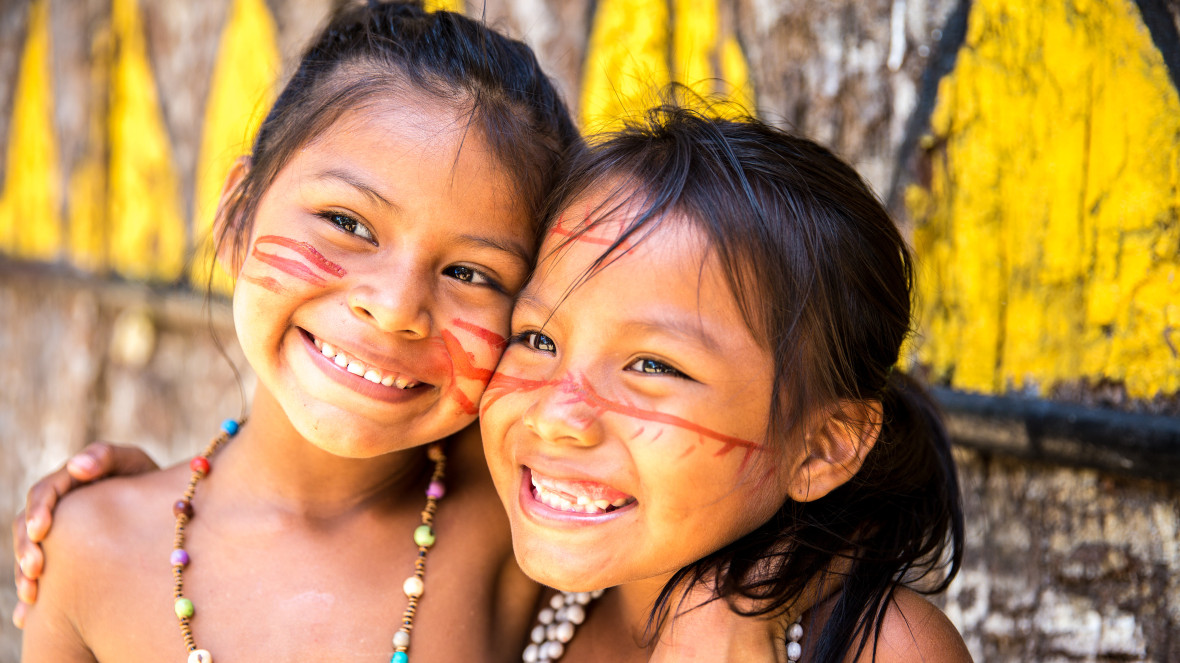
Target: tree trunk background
(1029, 150)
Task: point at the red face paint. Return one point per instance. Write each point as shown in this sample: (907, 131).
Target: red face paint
(304, 249)
(581, 391)
(265, 282)
(463, 365)
(293, 267)
(493, 339)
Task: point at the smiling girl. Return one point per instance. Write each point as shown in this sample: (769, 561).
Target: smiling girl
(699, 400)
(378, 231)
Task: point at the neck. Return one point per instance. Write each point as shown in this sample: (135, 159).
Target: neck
(695, 628)
(272, 465)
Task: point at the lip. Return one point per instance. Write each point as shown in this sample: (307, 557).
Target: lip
(541, 514)
(358, 384)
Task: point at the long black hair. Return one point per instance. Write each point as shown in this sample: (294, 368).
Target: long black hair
(373, 48)
(821, 272)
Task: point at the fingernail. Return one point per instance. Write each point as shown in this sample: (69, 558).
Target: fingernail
(84, 464)
(35, 526)
(26, 562)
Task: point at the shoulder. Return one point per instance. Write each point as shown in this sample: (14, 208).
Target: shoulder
(90, 557)
(914, 629)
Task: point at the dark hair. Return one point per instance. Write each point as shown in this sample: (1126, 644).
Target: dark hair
(820, 271)
(393, 47)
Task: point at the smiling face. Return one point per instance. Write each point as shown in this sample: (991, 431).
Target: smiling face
(626, 424)
(375, 291)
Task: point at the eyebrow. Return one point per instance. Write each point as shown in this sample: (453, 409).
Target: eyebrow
(668, 325)
(485, 242)
(351, 180)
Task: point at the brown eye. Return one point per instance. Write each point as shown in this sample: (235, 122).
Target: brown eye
(652, 366)
(540, 342)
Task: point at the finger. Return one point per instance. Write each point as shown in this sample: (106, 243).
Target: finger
(26, 590)
(41, 501)
(19, 614)
(100, 459)
(27, 556)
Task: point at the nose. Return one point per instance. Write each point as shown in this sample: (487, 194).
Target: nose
(396, 302)
(563, 413)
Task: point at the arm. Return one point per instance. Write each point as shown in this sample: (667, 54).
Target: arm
(31, 526)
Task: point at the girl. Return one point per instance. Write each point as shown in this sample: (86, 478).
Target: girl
(699, 400)
(378, 231)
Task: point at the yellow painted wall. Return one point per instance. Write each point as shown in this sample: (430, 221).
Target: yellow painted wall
(1049, 234)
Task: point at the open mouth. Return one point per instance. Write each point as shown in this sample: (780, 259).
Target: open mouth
(374, 374)
(577, 496)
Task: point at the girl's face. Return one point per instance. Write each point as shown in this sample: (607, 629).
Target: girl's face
(377, 285)
(626, 424)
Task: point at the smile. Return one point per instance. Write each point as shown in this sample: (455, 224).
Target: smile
(586, 497)
(360, 369)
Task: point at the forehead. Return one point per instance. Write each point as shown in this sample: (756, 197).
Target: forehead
(579, 256)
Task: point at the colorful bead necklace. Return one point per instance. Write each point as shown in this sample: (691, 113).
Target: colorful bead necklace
(566, 611)
(413, 586)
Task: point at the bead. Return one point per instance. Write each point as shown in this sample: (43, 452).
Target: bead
(551, 631)
(399, 657)
(538, 634)
(200, 656)
(436, 489)
(184, 608)
(576, 613)
(582, 598)
(423, 536)
(179, 557)
(564, 632)
(183, 508)
(546, 616)
(794, 651)
(597, 594)
(795, 632)
(552, 650)
(434, 452)
(557, 601)
(531, 653)
(401, 638)
(230, 427)
(413, 587)
(200, 465)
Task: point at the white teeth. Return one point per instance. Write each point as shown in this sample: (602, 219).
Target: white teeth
(556, 499)
(357, 368)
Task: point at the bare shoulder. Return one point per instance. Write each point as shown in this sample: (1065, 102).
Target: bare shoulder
(915, 629)
(90, 561)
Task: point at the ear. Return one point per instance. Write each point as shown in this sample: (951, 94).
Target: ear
(222, 224)
(835, 450)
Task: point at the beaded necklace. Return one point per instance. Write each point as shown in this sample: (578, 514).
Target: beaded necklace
(413, 587)
(566, 611)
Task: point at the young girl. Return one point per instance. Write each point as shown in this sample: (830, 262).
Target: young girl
(378, 232)
(699, 399)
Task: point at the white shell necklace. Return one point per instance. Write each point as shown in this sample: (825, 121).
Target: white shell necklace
(566, 611)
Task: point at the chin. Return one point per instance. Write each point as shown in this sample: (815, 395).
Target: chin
(561, 569)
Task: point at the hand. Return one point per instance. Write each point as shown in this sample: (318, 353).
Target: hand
(31, 526)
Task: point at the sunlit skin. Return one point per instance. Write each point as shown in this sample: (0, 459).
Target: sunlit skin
(384, 240)
(643, 381)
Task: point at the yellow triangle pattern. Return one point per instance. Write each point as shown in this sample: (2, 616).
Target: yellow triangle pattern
(30, 221)
(241, 92)
(639, 46)
(445, 5)
(147, 232)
